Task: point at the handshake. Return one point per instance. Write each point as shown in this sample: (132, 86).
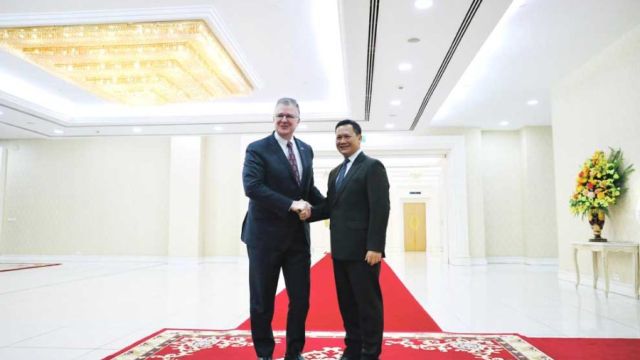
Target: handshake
(303, 209)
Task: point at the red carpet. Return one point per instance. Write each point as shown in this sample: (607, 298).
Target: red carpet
(587, 348)
(236, 344)
(410, 334)
(402, 312)
(22, 266)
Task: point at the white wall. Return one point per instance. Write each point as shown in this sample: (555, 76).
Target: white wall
(538, 189)
(518, 191)
(223, 200)
(597, 107)
(101, 196)
(184, 196)
(475, 193)
(138, 177)
(502, 187)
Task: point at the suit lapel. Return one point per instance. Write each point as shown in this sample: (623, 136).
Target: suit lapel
(282, 157)
(353, 171)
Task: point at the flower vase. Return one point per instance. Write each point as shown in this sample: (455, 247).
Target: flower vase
(596, 220)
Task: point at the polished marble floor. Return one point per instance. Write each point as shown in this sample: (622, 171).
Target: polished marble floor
(90, 307)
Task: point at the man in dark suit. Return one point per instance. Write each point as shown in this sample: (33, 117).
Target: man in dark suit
(357, 205)
(278, 170)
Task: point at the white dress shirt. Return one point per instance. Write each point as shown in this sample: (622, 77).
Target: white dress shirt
(283, 144)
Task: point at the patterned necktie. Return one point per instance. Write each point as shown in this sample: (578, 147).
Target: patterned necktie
(293, 162)
(343, 171)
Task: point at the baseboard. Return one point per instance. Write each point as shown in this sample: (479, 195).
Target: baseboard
(586, 280)
(521, 260)
(479, 261)
(460, 261)
(541, 261)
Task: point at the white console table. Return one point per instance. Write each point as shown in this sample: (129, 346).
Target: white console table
(604, 248)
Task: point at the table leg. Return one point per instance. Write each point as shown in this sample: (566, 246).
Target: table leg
(635, 275)
(575, 264)
(605, 264)
(594, 263)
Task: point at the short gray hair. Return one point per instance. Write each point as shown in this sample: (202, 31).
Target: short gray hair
(288, 101)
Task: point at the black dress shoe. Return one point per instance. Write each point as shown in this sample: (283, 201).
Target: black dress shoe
(293, 357)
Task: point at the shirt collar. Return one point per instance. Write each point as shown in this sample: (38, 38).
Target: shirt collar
(354, 155)
(282, 141)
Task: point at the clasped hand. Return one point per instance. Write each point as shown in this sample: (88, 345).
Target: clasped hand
(303, 209)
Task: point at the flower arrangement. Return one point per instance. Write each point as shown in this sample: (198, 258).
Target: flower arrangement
(599, 184)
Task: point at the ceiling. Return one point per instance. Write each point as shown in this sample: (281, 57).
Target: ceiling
(476, 64)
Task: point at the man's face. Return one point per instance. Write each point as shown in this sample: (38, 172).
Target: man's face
(347, 142)
(285, 120)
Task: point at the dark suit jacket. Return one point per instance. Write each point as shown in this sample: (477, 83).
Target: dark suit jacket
(359, 212)
(270, 184)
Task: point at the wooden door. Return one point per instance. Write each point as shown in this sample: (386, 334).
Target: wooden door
(415, 227)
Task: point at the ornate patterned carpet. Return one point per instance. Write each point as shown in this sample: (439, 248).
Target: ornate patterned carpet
(236, 344)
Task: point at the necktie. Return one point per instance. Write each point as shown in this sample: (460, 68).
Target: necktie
(293, 162)
(343, 171)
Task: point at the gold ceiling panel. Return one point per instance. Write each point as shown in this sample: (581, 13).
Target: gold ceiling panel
(148, 63)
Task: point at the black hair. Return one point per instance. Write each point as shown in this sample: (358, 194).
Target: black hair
(355, 125)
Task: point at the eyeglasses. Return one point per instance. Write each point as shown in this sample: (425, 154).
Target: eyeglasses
(283, 116)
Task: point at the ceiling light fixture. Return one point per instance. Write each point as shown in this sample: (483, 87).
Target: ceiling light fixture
(405, 67)
(390, 126)
(532, 102)
(504, 123)
(136, 130)
(423, 4)
(395, 102)
(58, 131)
(146, 63)
(413, 40)
(218, 128)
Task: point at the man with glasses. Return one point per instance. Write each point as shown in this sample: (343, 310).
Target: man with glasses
(278, 179)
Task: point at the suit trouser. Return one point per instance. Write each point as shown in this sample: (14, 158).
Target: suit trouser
(360, 301)
(264, 271)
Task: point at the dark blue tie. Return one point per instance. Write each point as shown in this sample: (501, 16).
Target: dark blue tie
(343, 171)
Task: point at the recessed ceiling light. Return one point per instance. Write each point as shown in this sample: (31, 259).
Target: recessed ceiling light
(532, 102)
(504, 123)
(395, 102)
(1, 113)
(136, 130)
(390, 126)
(58, 131)
(413, 40)
(218, 128)
(405, 67)
(400, 87)
(423, 4)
